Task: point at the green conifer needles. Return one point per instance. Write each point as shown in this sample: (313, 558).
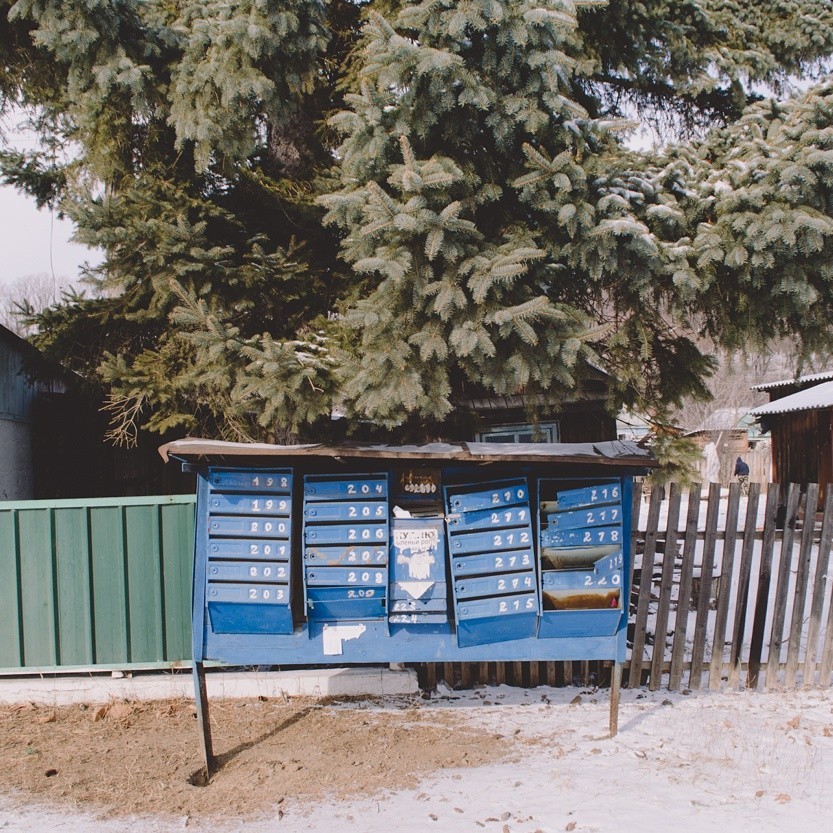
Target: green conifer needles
(389, 208)
(470, 178)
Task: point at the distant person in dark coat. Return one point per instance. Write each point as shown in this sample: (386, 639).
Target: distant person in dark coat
(742, 474)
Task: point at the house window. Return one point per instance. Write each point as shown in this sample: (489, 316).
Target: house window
(545, 432)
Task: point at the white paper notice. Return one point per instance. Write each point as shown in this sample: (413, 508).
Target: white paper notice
(415, 550)
(334, 635)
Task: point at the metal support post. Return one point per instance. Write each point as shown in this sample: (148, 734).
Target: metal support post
(201, 699)
(615, 688)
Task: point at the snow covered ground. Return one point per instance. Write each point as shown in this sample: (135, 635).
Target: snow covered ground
(728, 762)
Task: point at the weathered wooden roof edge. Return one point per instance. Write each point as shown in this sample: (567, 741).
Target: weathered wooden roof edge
(613, 453)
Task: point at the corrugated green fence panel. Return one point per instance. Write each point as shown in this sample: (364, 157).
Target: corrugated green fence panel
(72, 562)
(110, 600)
(144, 579)
(104, 581)
(10, 635)
(177, 525)
(37, 587)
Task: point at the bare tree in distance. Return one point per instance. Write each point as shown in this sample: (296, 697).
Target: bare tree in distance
(34, 292)
(731, 385)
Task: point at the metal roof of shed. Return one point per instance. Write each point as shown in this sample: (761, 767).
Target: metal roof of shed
(823, 376)
(819, 396)
(619, 453)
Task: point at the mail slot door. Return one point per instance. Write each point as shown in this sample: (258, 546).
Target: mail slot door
(332, 604)
(272, 481)
(248, 608)
(247, 527)
(249, 594)
(242, 548)
(597, 536)
(323, 487)
(369, 556)
(439, 621)
(498, 518)
(347, 577)
(496, 619)
(272, 505)
(503, 562)
(503, 493)
(346, 511)
(493, 541)
(496, 585)
(600, 493)
(585, 518)
(376, 533)
(437, 605)
(498, 608)
(256, 571)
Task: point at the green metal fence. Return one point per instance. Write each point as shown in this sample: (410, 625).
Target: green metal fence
(102, 583)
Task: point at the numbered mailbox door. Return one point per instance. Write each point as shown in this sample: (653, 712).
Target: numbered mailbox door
(497, 495)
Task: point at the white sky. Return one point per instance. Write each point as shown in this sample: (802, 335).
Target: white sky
(31, 241)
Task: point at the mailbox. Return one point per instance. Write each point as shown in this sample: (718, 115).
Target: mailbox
(347, 517)
(492, 605)
(440, 553)
(247, 516)
(419, 586)
(582, 557)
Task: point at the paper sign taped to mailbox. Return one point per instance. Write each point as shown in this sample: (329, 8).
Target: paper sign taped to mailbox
(416, 539)
(419, 548)
(334, 636)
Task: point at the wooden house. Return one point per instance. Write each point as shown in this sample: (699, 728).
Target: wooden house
(19, 399)
(732, 433)
(581, 418)
(52, 437)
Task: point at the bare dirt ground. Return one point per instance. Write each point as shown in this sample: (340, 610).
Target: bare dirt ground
(491, 760)
(131, 758)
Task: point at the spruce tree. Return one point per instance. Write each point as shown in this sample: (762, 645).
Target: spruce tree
(503, 230)
(487, 228)
(196, 145)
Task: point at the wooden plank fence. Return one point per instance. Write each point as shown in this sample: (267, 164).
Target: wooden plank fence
(738, 596)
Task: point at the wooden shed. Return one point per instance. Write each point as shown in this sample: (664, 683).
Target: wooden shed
(799, 416)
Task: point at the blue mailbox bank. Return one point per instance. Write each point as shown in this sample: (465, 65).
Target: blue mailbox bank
(361, 554)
